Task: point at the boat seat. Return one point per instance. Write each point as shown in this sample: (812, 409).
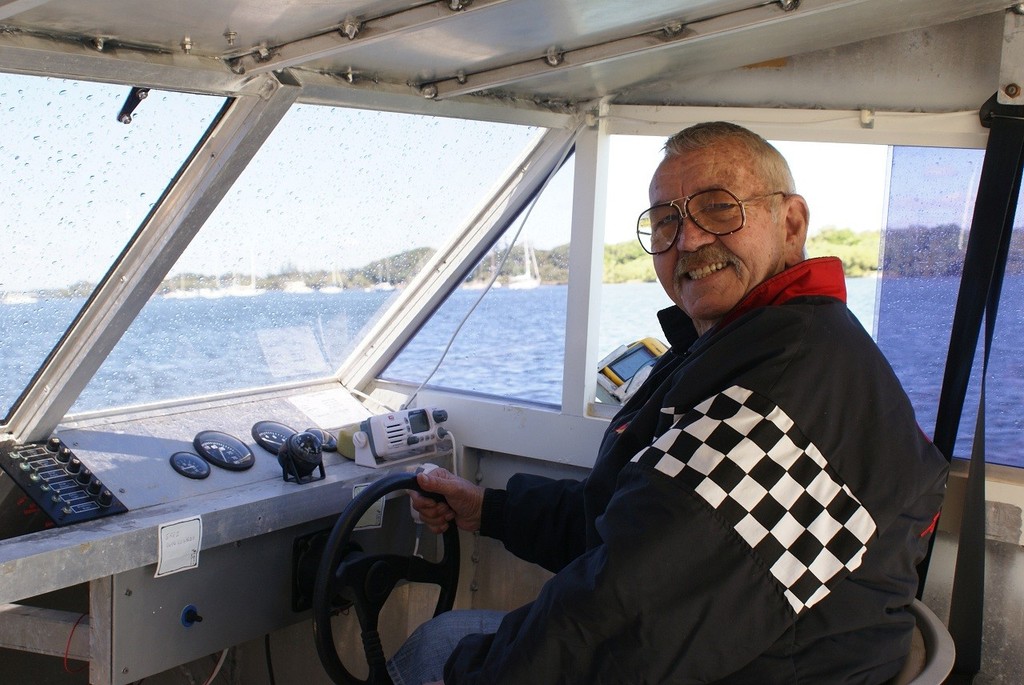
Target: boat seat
(931, 652)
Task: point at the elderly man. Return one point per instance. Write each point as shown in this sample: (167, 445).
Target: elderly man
(756, 510)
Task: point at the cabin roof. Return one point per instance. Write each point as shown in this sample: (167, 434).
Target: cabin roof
(916, 55)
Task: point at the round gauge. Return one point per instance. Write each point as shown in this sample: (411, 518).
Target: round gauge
(190, 465)
(270, 435)
(223, 450)
(328, 442)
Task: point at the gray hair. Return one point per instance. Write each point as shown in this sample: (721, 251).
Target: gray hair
(769, 163)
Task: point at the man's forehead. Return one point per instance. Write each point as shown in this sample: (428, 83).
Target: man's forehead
(721, 166)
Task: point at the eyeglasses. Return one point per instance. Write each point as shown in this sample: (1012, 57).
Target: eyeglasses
(715, 211)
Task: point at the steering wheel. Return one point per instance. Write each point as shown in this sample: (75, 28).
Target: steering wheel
(369, 579)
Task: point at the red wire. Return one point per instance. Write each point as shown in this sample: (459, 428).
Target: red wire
(67, 648)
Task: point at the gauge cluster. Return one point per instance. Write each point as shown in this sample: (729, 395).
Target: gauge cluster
(298, 454)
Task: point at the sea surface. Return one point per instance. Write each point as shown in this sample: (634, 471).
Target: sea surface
(512, 345)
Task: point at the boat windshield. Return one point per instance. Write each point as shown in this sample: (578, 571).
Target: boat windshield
(338, 210)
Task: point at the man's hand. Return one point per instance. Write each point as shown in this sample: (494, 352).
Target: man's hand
(465, 500)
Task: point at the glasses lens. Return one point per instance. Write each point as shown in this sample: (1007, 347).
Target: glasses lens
(716, 211)
(656, 228)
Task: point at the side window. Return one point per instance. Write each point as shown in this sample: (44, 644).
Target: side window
(845, 189)
(931, 204)
(630, 293)
(844, 186)
(75, 186)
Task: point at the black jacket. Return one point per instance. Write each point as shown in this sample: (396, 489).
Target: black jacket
(755, 514)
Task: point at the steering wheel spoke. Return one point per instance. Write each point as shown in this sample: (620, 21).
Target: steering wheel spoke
(419, 570)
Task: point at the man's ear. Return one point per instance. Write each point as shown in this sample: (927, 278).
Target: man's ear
(795, 221)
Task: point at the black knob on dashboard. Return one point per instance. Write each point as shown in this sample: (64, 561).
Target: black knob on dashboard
(74, 466)
(105, 498)
(84, 476)
(63, 455)
(53, 444)
(94, 487)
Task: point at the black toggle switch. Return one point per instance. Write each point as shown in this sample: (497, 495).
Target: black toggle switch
(190, 616)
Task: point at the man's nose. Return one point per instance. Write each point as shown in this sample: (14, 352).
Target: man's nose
(691, 236)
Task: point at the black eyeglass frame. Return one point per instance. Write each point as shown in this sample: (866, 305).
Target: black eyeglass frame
(682, 213)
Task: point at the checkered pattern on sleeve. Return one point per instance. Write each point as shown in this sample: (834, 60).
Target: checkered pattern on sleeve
(748, 460)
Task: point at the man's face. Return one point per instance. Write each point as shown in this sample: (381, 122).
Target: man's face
(707, 275)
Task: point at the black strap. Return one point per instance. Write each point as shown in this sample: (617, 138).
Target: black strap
(985, 258)
(966, 610)
(980, 287)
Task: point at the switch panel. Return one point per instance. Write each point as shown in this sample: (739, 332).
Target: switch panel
(63, 487)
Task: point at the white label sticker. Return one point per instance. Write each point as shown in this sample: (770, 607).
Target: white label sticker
(374, 516)
(178, 546)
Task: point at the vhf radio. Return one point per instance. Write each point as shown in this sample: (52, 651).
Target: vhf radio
(400, 435)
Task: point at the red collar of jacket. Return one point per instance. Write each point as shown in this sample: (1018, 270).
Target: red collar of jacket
(822, 276)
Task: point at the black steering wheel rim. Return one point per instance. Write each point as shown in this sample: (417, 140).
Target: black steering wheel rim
(332, 574)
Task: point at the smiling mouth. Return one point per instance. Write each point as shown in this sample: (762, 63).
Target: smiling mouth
(705, 271)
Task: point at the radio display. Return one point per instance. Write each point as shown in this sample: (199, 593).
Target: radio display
(418, 421)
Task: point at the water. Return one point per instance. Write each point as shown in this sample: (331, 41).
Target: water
(513, 345)
(914, 325)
